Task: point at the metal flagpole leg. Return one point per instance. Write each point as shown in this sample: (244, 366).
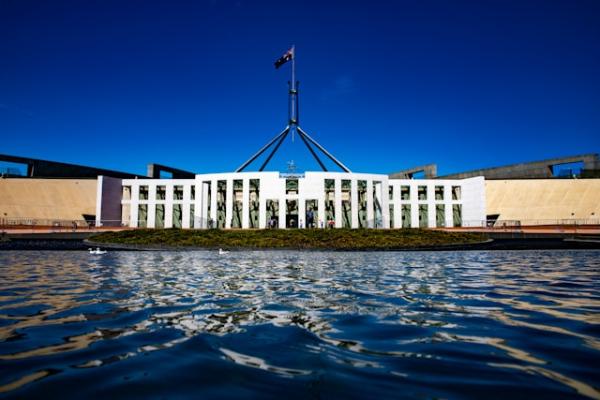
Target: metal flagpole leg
(312, 151)
(262, 150)
(328, 154)
(275, 149)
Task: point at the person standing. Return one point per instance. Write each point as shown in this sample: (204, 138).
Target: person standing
(310, 218)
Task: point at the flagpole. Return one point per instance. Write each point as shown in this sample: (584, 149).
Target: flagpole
(294, 92)
(293, 123)
(294, 67)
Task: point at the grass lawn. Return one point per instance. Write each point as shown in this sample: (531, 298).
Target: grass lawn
(342, 239)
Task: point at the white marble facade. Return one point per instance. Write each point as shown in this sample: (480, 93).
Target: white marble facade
(197, 211)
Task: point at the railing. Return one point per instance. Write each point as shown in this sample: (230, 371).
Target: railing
(63, 225)
(56, 225)
(534, 222)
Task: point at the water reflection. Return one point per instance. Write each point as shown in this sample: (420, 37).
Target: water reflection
(535, 312)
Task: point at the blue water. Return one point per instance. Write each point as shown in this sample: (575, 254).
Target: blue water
(273, 324)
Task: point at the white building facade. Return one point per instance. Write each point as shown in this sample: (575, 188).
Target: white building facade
(253, 200)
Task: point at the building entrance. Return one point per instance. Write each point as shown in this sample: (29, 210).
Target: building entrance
(291, 214)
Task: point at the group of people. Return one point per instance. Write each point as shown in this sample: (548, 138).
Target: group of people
(311, 223)
(273, 222)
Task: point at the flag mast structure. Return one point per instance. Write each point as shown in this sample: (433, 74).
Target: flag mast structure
(293, 124)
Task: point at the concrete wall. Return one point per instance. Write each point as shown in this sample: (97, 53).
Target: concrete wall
(37, 168)
(529, 170)
(540, 200)
(57, 199)
(108, 201)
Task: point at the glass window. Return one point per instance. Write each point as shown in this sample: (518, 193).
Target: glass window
(291, 186)
(404, 192)
(159, 221)
(143, 192)
(422, 193)
(391, 193)
(312, 213)
(440, 215)
(208, 189)
(406, 218)
(238, 196)
(346, 189)
(238, 190)
(329, 203)
(291, 209)
(439, 193)
(177, 216)
(254, 202)
(456, 193)
(457, 214)
(362, 204)
(221, 203)
(377, 196)
(346, 204)
(272, 213)
(143, 215)
(191, 215)
(161, 192)
(193, 192)
(423, 218)
(178, 193)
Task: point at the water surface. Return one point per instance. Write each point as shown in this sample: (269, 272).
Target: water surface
(268, 324)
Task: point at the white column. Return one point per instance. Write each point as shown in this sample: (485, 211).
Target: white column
(200, 203)
(213, 202)
(302, 211)
(321, 210)
(229, 203)
(187, 201)
(414, 205)
(448, 205)
(397, 208)
(246, 203)
(431, 223)
(169, 205)
(204, 188)
(135, 201)
(338, 202)
(354, 203)
(99, 184)
(385, 204)
(151, 206)
(370, 213)
(282, 212)
(262, 212)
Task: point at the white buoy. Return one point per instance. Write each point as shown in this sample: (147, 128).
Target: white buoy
(221, 252)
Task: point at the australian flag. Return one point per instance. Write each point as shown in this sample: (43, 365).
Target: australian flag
(289, 55)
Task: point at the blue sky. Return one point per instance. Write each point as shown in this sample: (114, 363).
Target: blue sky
(385, 85)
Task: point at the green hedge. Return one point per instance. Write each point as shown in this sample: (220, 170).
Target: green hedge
(347, 239)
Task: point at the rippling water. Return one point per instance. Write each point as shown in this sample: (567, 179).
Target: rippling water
(300, 324)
